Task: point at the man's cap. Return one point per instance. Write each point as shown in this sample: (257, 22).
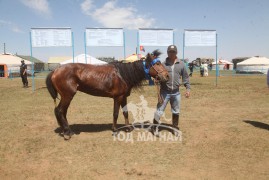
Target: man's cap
(172, 48)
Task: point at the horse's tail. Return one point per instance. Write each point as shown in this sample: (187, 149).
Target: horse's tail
(50, 87)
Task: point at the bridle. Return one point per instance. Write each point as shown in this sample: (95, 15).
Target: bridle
(159, 71)
(156, 82)
(152, 65)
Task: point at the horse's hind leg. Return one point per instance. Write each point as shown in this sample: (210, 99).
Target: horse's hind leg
(60, 113)
(58, 116)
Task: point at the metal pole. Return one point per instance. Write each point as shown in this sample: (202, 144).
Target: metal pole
(138, 45)
(173, 37)
(124, 50)
(73, 49)
(183, 45)
(217, 66)
(10, 74)
(31, 59)
(85, 47)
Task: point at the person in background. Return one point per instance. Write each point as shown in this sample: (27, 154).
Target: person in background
(210, 66)
(202, 69)
(191, 68)
(23, 73)
(170, 90)
(205, 69)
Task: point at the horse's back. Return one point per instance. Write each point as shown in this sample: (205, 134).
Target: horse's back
(79, 66)
(97, 80)
(78, 69)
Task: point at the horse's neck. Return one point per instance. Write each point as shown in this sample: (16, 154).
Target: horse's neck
(138, 75)
(141, 73)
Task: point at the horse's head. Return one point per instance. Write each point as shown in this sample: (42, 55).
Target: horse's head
(156, 69)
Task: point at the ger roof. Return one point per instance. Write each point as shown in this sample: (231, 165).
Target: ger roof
(255, 61)
(58, 59)
(11, 59)
(31, 59)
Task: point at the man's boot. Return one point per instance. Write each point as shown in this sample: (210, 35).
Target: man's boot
(175, 124)
(154, 128)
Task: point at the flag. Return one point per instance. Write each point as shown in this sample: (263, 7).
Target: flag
(142, 48)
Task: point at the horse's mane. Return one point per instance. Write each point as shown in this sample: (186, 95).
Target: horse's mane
(156, 53)
(132, 73)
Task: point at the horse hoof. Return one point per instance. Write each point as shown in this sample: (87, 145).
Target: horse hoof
(176, 133)
(115, 133)
(67, 136)
(154, 132)
(129, 129)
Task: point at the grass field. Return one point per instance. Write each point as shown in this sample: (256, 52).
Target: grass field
(225, 135)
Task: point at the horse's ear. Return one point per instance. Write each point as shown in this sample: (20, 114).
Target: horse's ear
(148, 59)
(156, 53)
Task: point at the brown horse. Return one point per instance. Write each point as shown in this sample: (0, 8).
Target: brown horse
(114, 80)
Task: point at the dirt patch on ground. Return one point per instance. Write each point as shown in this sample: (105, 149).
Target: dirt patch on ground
(225, 132)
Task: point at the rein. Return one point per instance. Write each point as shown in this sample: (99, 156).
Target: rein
(156, 82)
(157, 85)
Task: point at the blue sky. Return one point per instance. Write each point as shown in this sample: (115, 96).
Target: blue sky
(242, 25)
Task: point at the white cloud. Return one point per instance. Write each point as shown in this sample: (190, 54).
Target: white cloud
(110, 15)
(39, 6)
(10, 25)
(86, 6)
(16, 29)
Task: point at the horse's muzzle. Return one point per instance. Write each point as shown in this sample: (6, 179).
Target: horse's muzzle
(162, 78)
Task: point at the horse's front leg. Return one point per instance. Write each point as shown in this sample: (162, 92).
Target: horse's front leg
(117, 103)
(125, 114)
(125, 110)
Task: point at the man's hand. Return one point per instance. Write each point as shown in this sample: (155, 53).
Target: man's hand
(187, 94)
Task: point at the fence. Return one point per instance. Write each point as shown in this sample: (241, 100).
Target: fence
(236, 72)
